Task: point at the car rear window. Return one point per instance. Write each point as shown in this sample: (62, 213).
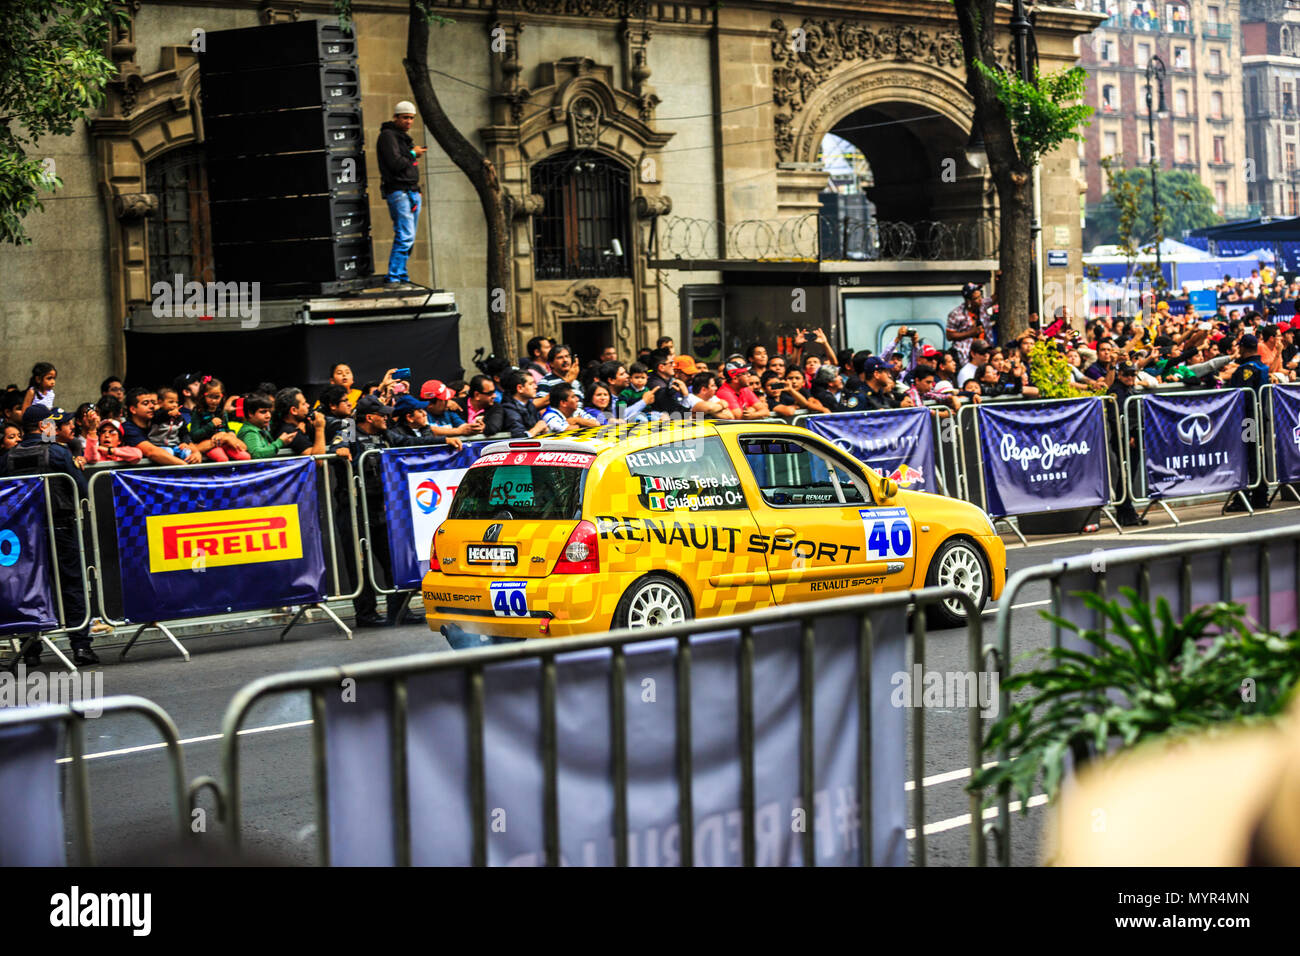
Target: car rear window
(536, 485)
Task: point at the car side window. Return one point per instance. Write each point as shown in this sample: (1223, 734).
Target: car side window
(693, 475)
(791, 474)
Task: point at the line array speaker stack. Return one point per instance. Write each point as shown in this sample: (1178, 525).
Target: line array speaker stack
(286, 158)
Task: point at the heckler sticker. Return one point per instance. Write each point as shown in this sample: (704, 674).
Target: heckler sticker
(889, 532)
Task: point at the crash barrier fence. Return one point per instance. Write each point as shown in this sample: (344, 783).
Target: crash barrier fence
(32, 582)
(636, 747)
(1259, 570)
(174, 545)
(32, 743)
(1196, 445)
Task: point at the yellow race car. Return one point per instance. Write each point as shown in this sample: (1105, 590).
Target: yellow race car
(653, 524)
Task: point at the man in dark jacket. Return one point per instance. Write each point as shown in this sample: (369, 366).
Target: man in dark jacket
(399, 170)
(521, 417)
(39, 454)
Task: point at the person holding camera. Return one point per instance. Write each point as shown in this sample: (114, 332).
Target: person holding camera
(966, 322)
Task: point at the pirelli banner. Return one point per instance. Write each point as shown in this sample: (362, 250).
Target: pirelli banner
(213, 540)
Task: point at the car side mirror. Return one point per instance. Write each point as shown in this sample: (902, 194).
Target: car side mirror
(889, 489)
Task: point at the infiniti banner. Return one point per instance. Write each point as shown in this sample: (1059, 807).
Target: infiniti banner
(1286, 431)
(897, 444)
(1044, 457)
(1194, 444)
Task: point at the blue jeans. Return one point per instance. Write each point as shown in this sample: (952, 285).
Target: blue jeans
(404, 207)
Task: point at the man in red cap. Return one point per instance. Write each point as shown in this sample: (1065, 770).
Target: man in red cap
(442, 420)
(740, 398)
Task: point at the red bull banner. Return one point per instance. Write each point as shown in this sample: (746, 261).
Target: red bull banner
(418, 485)
(897, 443)
(218, 539)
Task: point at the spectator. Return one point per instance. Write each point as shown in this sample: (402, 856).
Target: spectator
(801, 394)
(255, 432)
(12, 435)
(168, 429)
(922, 381)
(740, 398)
(409, 425)
(36, 454)
(482, 406)
(670, 394)
(521, 417)
(780, 400)
(757, 358)
(292, 415)
(609, 354)
(441, 420)
(636, 387)
(535, 364)
(665, 343)
(109, 447)
(341, 374)
(684, 369)
(109, 408)
(563, 372)
(966, 321)
(614, 374)
(112, 386)
(562, 412)
(187, 388)
(13, 409)
(207, 426)
(399, 171)
(778, 364)
(141, 405)
(827, 386)
(600, 403)
(704, 400)
(87, 422)
(40, 388)
(979, 357)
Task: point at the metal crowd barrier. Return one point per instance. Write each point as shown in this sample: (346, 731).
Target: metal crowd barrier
(48, 832)
(857, 616)
(1271, 436)
(1138, 469)
(1260, 570)
(946, 479)
(65, 626)
(972, 458)
(329, 492)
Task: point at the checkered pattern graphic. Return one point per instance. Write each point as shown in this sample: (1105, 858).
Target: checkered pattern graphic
(27, 601)
(395, 465)
(139, 495)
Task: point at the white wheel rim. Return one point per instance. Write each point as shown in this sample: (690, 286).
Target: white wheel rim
(656, 605)
(961, 569)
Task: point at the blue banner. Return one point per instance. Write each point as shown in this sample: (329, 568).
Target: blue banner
(1044, 457)
(418, 487)
(27, 601)
(213, 540)
(1193, 444)
(1286, 431)
(898, 444)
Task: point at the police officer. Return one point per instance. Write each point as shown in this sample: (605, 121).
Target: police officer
(1123, 383)
(39, 454)
(1251, 373)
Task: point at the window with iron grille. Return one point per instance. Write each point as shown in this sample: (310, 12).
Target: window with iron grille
(582, 231)
(180, 240)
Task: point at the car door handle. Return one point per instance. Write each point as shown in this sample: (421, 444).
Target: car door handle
(783, 533)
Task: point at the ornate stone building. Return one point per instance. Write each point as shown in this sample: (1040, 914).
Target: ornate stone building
(664, 159)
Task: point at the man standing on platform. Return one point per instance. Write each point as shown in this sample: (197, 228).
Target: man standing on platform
(399, 170)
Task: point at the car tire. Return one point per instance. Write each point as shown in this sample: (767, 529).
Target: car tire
(961, 564)
(655, 600)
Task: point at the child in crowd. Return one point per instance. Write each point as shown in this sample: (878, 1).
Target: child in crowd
(10, 437)
(169, 431)
(40, 389)
(109, 447)
(109, 408)
(87, 423)
(637, 375)
(207, 423)
(188, 388)
(255, 432)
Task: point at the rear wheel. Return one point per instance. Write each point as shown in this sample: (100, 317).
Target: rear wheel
(655, 600)
(961, 565)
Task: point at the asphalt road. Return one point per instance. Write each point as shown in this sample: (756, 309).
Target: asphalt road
(129, 786)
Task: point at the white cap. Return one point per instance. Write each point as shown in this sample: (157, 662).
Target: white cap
(404, 107)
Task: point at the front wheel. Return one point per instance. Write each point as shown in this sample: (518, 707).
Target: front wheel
(653, 601)
(961, 565)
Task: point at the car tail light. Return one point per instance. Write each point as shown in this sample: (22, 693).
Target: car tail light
(580, 555)
(433, 550)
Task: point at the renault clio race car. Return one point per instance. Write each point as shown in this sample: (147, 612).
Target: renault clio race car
(654, 524)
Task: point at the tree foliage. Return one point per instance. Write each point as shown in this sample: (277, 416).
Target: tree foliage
(1045, 113)
(53, 70)
(1125, 216)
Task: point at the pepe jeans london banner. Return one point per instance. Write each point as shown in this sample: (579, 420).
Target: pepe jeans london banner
(26, 596)
(229, 539)
(1194, 444)
(1286, 431)
(418, 487)
(1044, 457)
(897, 444)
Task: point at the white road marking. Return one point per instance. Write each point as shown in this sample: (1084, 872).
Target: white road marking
(990, 813)
(189, 740)
(1017, 607)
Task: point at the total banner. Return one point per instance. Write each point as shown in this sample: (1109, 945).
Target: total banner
(1044, 456)
(27, 601)
(898, 444)
(1286, 431)
(1194, 444)
(216, 540)
(418, 485)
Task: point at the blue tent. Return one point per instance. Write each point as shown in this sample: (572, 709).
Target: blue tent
(1245, 236)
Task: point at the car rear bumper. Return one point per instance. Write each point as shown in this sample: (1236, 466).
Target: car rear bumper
(558, 605)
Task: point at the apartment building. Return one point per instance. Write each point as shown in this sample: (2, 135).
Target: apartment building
(1270, 65)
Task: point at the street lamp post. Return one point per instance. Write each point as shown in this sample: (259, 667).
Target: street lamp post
(1021, 30)
(1155, 71)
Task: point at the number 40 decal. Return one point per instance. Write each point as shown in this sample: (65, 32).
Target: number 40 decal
(889, 532)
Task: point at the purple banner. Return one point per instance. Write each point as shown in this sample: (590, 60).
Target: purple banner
(1193, 444)
(897, 444)
(27, 601)
(1044, 457)
(1286, 431)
